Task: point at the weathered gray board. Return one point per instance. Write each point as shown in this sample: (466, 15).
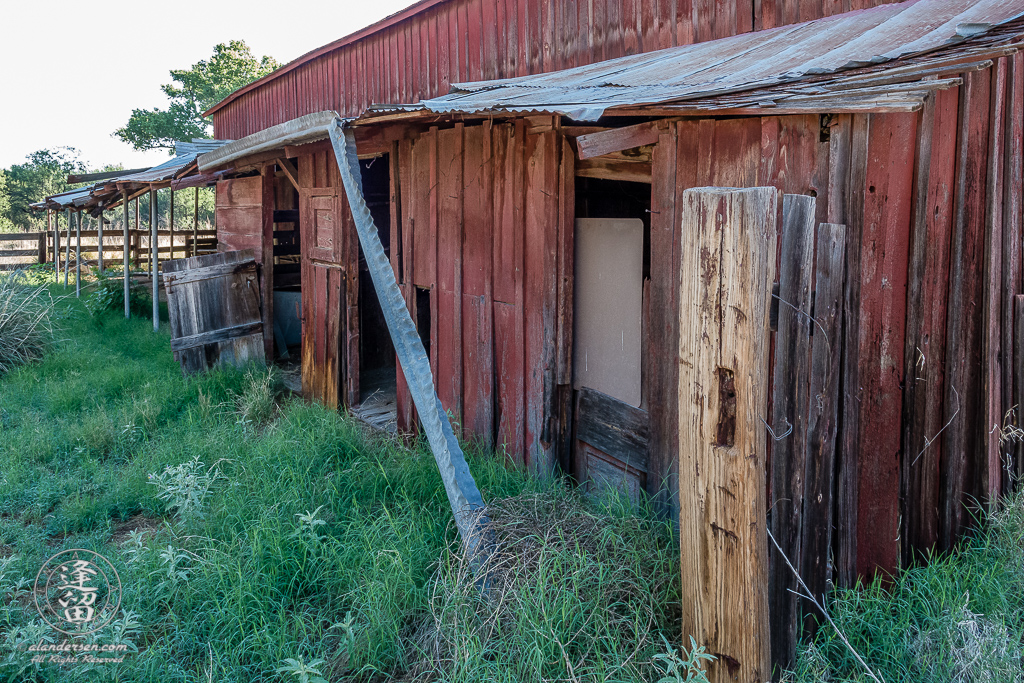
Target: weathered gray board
(213, 302)
(609, 301)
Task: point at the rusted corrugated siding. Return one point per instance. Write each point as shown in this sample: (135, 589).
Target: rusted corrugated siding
(420, 55)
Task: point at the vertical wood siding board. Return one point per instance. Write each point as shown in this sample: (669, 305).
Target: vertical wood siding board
(267, 203)
(449, 258)
(490, 26)
(686, 22)
(320, 316)
(1018, 369)
(444, 79)
(850, 145)
(924, 354)
(744, 16)
(564, 286)
(517, 171)
(469, 59)
(474, 41)
(885, 242)
(725, 23)
(433, 203)
(964, 435)
(406, 420)
(534, 303)
(614, 34)
(504, 265)
(790, 412)
(990, 470)
(1013, 227)
(585, 43)
(722, 539)
(647, 25)
(816, 540)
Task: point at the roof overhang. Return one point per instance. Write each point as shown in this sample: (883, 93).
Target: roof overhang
(305, 129)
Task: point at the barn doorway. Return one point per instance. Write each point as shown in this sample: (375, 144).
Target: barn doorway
(377, 362)
(612, 272)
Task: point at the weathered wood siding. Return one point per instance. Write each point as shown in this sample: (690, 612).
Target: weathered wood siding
(240, 215)
(418, 53)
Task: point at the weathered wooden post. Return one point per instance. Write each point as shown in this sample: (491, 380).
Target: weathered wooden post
(125, 255)
(170, 224)
(56, 244)
(154, 265)
(727, 252)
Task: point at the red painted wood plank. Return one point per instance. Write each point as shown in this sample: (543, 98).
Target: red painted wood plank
(989, 470)
(508, 271)
(444, 54)
(508, 369)
(884, 253)
(924, 354)
(1013, 227)
(319, 318)
(477, 312)
(449, 268)
(686, 22)
(423, 250)
(735, 157)
(965, 434)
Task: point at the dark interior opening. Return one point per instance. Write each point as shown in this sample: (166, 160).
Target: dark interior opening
(287, 263)
(423, 316)
(376, 352)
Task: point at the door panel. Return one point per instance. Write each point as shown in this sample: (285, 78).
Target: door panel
(323, 294)
(611, 443)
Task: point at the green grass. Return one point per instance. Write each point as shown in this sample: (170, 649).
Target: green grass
(959, 618)
(256, 539)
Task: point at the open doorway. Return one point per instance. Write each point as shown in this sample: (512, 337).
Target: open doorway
(612, 273)
(377, 364)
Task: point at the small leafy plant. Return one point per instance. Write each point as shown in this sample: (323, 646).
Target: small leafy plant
(683, 669)
(306, 673)
(184, 487)
(108, 295)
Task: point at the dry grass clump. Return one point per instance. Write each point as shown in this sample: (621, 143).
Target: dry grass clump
(579, 590)
(26, 322)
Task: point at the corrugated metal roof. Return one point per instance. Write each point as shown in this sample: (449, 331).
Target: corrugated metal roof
(741, 63)
(186, 152)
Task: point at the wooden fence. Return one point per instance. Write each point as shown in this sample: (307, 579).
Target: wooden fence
(18, 250)
(22, 248)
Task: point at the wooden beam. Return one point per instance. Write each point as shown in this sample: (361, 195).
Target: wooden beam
(289, 171)
(727, 252)
(617, 139)
(631, 171)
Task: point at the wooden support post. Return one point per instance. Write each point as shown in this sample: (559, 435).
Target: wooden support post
(56, 243)
(99, 242)
(46, 237)
(790, 407)
(170, 224)
(727, 265)
(267, 264)
(78, 254)
(154, 265)
(67, 255)
(195, 223)
(125, 255)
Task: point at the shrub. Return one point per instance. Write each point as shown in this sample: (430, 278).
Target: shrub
(26, 322)
(108, 295)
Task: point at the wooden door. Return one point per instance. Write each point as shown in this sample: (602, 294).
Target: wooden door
(323, 293)
(611, 425)
(213, 303)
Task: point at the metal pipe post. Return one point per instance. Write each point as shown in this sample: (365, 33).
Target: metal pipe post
(124, 255)
(78, 254)
(67, 254)
(195, 225)
(99, 242)
(153, 252)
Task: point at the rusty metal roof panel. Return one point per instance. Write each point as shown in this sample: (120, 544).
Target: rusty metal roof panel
(741, 63)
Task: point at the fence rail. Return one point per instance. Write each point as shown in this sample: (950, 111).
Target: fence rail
(18, 250)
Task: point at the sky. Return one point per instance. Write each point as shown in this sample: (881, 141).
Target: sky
(71, 72)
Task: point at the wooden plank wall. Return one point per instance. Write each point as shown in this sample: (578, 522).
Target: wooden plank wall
(240, 215)
(479, 224)
(419, 56)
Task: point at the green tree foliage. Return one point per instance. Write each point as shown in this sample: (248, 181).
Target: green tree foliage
(44, 173)
(193, 91)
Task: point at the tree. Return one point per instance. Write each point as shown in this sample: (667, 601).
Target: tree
(192, 92)
(45, 173)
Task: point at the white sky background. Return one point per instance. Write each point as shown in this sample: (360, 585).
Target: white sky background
(71, 72)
